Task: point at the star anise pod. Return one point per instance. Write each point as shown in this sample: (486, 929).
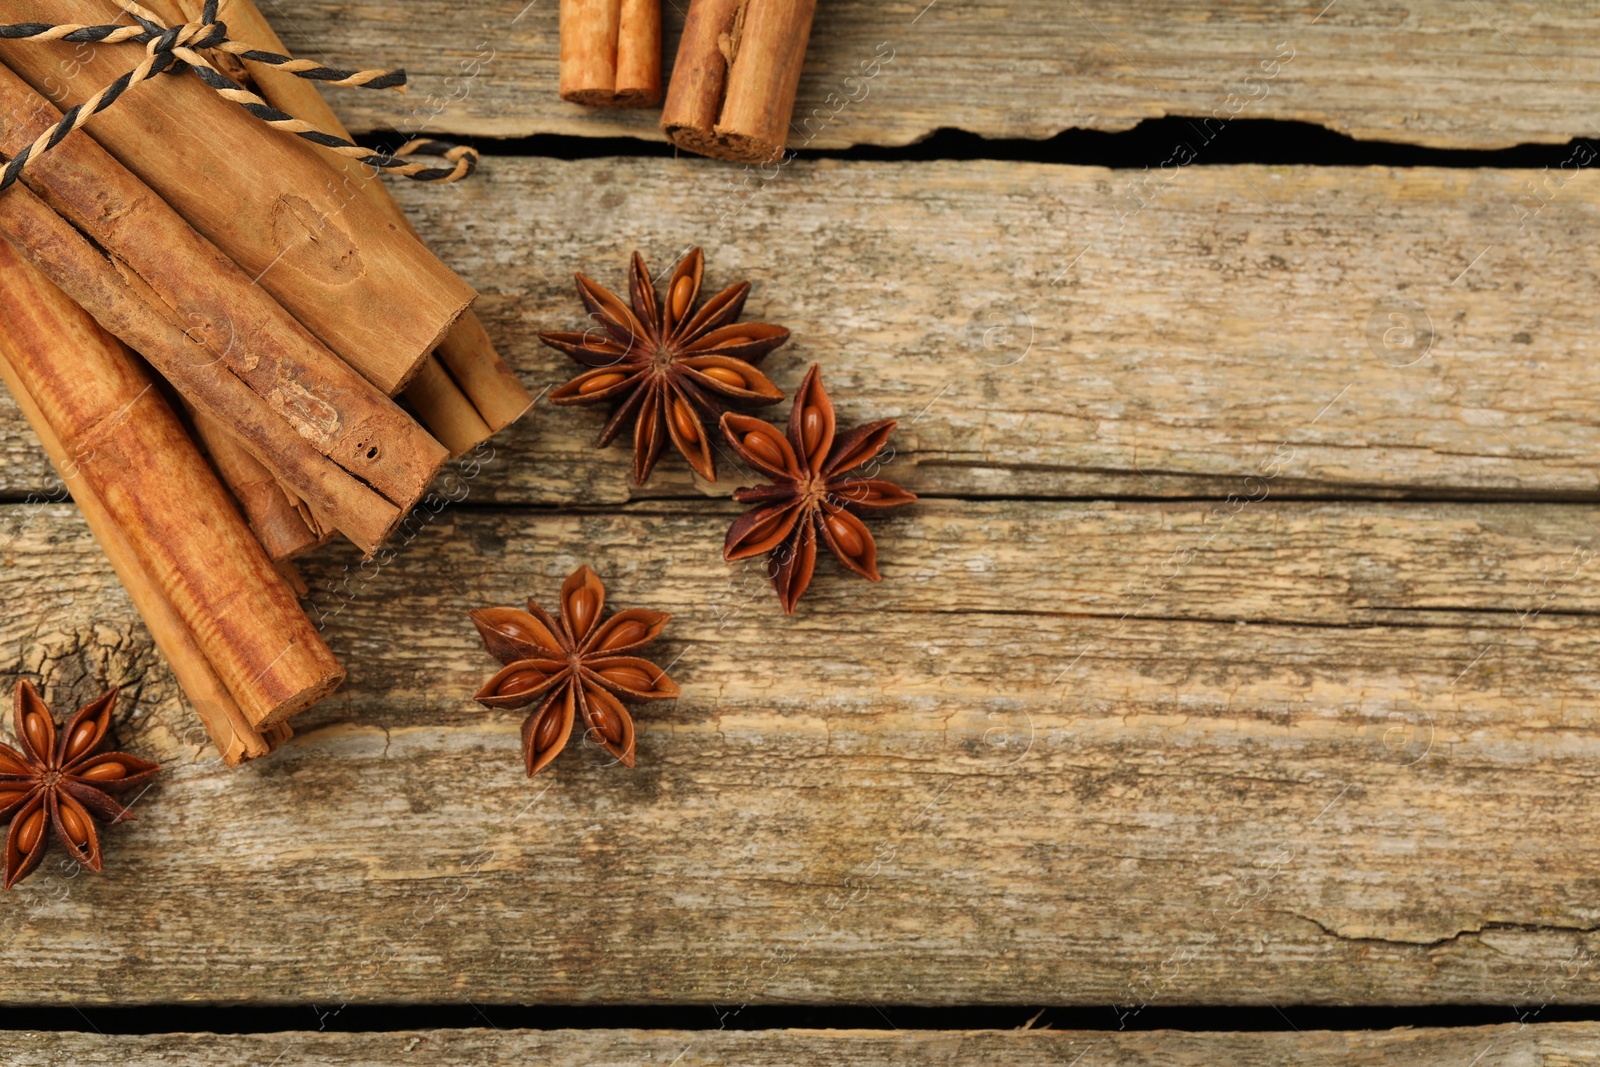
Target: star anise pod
(60, 778)
(575, 665)
(815, 492)
(667, 370)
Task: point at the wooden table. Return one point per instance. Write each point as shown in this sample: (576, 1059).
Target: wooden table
(1236, 654)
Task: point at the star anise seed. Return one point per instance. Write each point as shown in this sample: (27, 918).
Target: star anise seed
(59, 778)
(573, 667)
(666, 367)
(814, 496)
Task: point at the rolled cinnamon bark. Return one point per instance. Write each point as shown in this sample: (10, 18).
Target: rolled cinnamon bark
(474, 367)
(283, 530)
(467, 353)
(125, 307)
(124, 443)
(364, 286)
(344, 416)
(445, 409)
(735, 77)
(611, 52)
(236, 739)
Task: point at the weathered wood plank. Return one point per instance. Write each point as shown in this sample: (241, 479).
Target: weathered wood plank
(976, 783)
(1034, 345)
(1431, 73)
(1510, 1045)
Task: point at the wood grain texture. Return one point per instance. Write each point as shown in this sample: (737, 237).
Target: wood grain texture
(1252, 749)
(1039, 333)
(1332, 758)
(1431, 72)
(1511, 1045)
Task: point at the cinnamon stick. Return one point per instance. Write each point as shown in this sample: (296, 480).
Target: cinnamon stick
(343, 415)
(291, 577)
(445, 409)
(125, 307)
(277, 734)
(364, 286)
(283, 530)
(474, 368)
(735, 77)
(611, 52)
(470, 357)
(129, 449)
(234, 738)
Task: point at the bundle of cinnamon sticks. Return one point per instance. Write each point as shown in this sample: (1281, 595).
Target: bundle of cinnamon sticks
(209, 334)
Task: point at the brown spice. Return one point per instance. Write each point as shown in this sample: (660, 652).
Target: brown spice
(128, 448)
(466, 392)
(61, 778)
(368, 290)
(664, 368)
(815, 493)
(575, 664)
(611, 52)
(735, 77)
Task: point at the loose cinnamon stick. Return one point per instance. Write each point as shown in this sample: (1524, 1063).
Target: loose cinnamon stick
(474, 367)
(124, 306)
(367, 288)
(735, 77)
(343, 415)
(130, 450)
(283, 530)
(235, 738)
(611, 52)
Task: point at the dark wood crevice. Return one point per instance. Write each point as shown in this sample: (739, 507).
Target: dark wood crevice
(1150, 143)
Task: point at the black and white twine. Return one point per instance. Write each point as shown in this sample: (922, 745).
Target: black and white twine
(174, 49)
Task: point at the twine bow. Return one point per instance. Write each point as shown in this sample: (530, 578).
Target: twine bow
(174, 49)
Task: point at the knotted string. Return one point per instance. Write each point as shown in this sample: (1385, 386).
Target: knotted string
(174, 49)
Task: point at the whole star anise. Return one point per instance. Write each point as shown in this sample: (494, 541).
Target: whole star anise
(667, 370)
(59, 778)
(575, 665)
(814, 495)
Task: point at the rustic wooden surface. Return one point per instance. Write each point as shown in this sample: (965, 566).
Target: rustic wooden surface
(1095, 752)
(1434, 72)
(1541, 1045)
(1239, 652)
